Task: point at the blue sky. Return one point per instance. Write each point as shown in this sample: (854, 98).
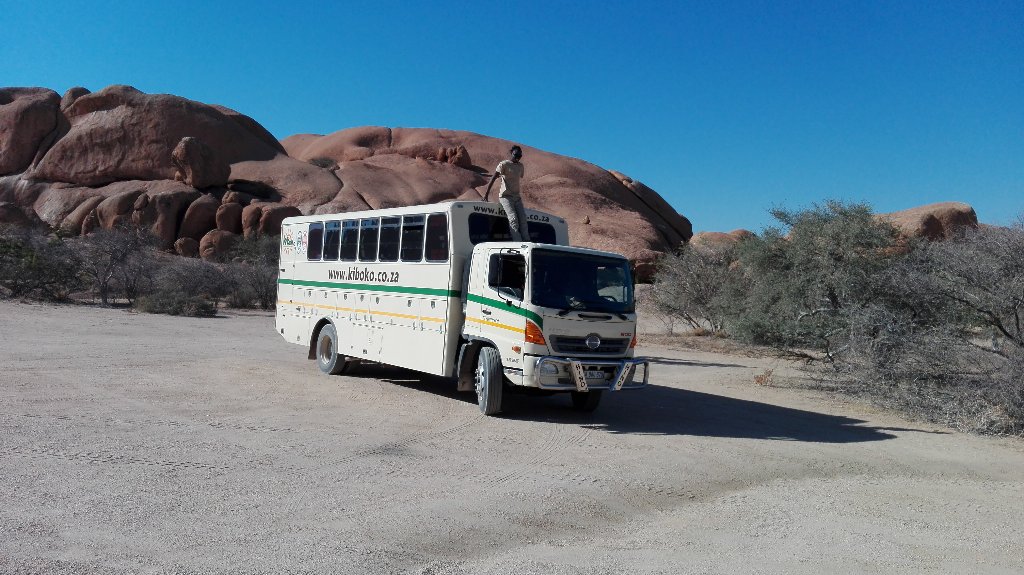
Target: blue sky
(725, 108)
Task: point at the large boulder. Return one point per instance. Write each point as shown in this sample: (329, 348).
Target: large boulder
(197, 165)
(229, 217)
(384, 167)
(718, 243)
(186, 247)
(162, 211)
(27, 117)
(933, 221)
(200, 217)
(120, 133)
(216, 243)
(271, 217)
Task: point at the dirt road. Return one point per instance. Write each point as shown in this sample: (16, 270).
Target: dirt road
(136, 443)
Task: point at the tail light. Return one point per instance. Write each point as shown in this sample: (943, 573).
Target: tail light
(533, 334)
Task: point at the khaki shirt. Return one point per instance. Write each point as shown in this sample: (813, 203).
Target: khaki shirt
(511, 172)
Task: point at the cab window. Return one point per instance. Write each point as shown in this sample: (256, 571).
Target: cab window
(506, 274)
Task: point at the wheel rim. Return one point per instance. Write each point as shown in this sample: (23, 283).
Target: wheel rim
(479, 383)
(326, 350)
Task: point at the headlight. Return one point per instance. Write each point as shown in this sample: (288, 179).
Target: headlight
(548, 368)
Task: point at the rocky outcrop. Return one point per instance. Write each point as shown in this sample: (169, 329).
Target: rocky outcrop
(714, 243)
(933, 221)
(99, 159)
(120, 134)
(384, 167)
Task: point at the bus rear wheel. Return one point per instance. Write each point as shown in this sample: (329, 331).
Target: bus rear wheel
(327, 357)
(489, 381)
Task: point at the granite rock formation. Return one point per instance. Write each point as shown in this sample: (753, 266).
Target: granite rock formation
(182, 168)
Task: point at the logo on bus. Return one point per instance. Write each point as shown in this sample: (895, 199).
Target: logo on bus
(358, 274)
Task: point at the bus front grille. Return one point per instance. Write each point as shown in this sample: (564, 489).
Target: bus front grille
(572, 345)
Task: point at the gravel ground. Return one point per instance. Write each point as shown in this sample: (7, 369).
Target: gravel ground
(152, 444)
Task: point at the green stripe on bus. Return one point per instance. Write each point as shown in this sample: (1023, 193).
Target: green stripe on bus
(375, 287)
(509, 308)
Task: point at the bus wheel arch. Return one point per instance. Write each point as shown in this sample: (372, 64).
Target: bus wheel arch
(316, 336)
(326, 350)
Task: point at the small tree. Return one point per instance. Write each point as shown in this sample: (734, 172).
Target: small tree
(110, 255)
(254, 271)
(688, 285)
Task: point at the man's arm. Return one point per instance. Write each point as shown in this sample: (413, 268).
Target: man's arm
(489, 184)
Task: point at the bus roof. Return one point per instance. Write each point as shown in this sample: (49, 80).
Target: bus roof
(447, 206)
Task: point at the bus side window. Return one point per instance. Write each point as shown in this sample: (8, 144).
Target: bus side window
(542, 233)
(412, 238)
(437, 238)
(389, 236)
(332, 239)
(349, 240)
(315, 247)
(368, 231)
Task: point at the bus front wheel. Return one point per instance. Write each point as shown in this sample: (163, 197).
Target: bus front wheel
(327, 357)
(489, 381)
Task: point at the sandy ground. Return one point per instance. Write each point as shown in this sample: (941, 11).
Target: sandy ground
(136, 443)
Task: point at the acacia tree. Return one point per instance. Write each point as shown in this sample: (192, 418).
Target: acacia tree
(108, 255)
(803, 278)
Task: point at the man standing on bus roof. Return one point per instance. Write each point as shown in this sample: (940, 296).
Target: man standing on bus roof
(511, 172)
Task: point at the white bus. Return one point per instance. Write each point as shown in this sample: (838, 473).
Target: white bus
(443, 290)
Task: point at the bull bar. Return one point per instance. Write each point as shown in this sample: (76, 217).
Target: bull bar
(577, 370)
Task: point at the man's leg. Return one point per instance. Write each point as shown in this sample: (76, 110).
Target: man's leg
(516, 218)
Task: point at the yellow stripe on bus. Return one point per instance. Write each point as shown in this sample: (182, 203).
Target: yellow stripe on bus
(496, 324)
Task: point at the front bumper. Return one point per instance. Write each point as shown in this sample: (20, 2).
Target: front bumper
(570, 374)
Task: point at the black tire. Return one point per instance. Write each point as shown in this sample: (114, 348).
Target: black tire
(586, 401)
(489, 381)
(327, 356)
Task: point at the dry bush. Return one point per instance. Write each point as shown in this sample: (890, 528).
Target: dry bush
(185, 286)
(34, 264)
(688, 287)
(117, 262)
(946, 344)
(253, 270)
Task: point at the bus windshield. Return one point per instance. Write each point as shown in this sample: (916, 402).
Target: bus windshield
(581, 282)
